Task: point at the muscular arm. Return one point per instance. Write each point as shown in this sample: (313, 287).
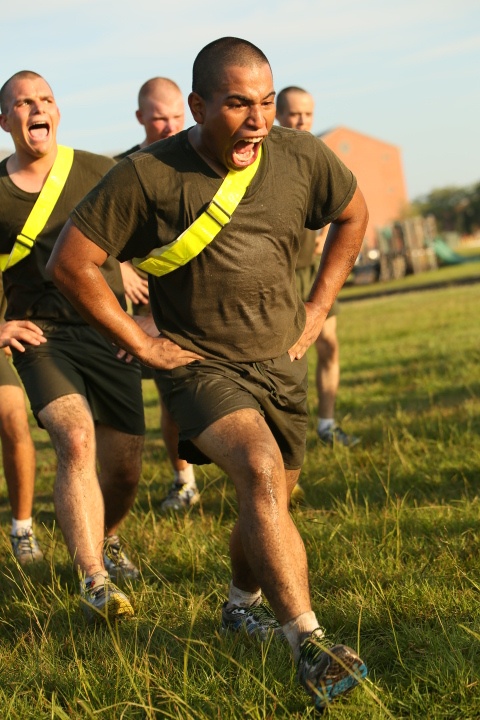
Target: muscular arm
(74, 267)
(340, 251)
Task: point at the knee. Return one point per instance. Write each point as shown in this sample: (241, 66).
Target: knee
(14, 426)
(327, 348)
(74, 444)
(264, 481)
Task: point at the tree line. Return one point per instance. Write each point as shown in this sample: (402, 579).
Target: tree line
(456, 209)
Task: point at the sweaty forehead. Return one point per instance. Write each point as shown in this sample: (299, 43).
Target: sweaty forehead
(26, 86)
(233, 78)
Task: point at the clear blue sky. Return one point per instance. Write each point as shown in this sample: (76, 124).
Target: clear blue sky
(405, 72)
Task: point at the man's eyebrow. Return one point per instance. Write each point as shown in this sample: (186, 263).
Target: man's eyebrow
(241, 98)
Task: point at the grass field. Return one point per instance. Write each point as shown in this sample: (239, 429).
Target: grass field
(391, 530)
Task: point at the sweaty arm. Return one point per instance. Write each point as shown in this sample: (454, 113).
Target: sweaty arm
(343, 243)
(74, 267)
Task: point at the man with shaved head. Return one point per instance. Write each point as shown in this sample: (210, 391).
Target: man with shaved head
(295, 109)
(232, 332)
(89, 401)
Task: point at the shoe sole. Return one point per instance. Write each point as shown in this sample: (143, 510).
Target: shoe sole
(115, 609)
(180, 507)
(342, 676)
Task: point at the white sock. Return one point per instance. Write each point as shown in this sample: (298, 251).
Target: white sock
(185, 477)
(99, 578)
(19, 527)
(298, 629)
(241, 598)
(325, 424)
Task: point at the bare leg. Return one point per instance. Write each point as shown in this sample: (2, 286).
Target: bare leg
(170, 437)
(242, 576)
(273, 554)
(77, 495)
(18, 451)
(328, 368)
(120, 461)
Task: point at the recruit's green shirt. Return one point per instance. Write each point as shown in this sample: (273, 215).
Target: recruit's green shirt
(30, 294)
(237, 299)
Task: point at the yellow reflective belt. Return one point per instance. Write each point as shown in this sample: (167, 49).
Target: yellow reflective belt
(203, 230)
(42, 209)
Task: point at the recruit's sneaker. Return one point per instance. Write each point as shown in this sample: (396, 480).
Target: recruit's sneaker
(258, 620)
(116, 561)
(25, 547)
(327, 672)
(180, 497)
(336, 436)
(102, 600)
(298, 495)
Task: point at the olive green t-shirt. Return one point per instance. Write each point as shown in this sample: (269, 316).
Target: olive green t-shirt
(237, 299)
(306, 255)
(30, 294)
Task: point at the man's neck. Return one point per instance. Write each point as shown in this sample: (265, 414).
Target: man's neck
(29, 173)
(194, 137)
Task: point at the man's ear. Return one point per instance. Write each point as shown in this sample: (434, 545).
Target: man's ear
(139, 116)
(4, 123)
(197, 107)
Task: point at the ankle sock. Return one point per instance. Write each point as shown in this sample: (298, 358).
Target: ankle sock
(19, 527)
(185, 476)
(241, 598)
(324, 424)
(298, 629)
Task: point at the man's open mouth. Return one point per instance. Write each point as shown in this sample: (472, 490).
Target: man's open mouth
(39, 130)
(245, 151)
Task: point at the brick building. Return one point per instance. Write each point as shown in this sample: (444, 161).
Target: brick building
(378, 168)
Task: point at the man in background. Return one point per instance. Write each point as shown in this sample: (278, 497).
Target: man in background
(18, 455)
(161, 111)
(89, 401)
(295, 108)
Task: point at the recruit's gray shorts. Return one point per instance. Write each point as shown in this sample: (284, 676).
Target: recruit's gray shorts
(204, 391)
(77, 359)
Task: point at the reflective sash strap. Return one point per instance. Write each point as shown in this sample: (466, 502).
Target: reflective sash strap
(42, 209)
(203, 230)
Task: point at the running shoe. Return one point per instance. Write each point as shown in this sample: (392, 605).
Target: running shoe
(258, 620)
(116, 561)
(180, 497)
(298, 495)
(327, 672)
(25, 547)
(335, 436)
(102, 600)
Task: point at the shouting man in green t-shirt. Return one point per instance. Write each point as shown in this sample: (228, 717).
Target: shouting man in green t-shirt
(88, 400)
(232, 331)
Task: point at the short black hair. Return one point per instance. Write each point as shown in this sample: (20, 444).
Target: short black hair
(216, 56)
(282, 96)
(4, 89)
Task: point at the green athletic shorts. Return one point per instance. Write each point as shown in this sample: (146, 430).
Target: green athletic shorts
(8, 376)
(204, 391)
(305, 277)
(77, 359)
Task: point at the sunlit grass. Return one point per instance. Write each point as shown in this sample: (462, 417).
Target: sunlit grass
(392, 534)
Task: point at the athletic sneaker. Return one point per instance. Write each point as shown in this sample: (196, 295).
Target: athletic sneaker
(298, 495)
(117, 563)
(25, 547)
(335, 436)
(327, 673)
(258, 619)
(180, 497)
(103, 600)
